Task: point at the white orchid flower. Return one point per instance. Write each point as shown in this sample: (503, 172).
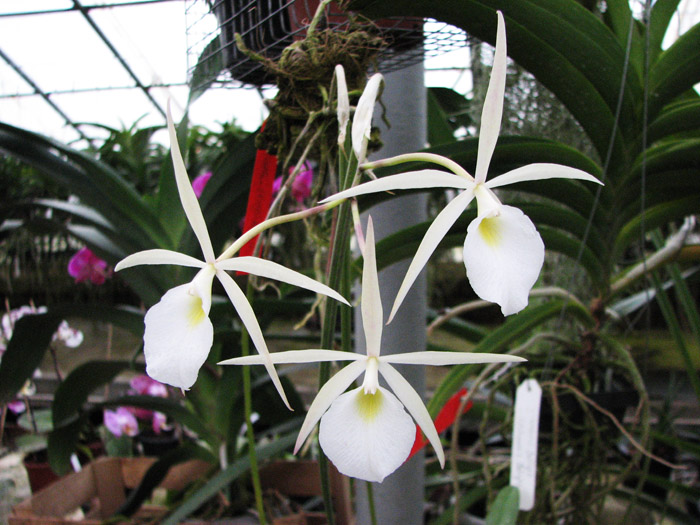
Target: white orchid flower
(343, 108)
(503, 252)
(179, 333)
(366, 432)
(362, 121)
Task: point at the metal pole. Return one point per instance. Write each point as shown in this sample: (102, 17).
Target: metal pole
(399, 498)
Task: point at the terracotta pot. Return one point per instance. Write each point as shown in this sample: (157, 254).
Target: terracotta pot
(39, 471)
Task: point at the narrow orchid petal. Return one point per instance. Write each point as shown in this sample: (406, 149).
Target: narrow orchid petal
(367, 436)
(540, 171)
(247, 315)
(503, 256)
(448, 358)
(158, 256)
(492, 112)
(404, 181)
(362, 121)
(331, 390)
(343, 108)
(187, 196)
(372, 312)
(414, 404)
(273, 270)
(296, 356)
(438, 229)
(177, 338)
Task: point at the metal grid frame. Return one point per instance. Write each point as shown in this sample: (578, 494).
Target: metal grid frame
(268, 26)
(202, 27)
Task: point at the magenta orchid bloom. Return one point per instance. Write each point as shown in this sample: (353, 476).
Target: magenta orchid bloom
(200, 182)
(86, 266)
(121, 422)
(301, 186)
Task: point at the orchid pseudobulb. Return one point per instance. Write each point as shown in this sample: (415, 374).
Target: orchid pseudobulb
(366, 432)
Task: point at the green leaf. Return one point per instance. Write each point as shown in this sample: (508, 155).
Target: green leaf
(63, 443)
(678, 117)
(565, 46)
(439, 129)
(157, 472)
(676, 71)
(73, 392)
(95, 183)
(504, 510)
(31, 337)
(209, 65)
(499, 339)
(661, 14)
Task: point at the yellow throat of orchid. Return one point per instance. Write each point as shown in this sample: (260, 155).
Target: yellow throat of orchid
(369, 405)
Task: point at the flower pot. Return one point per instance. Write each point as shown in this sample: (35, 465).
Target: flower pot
(39, 472)
(99, 490)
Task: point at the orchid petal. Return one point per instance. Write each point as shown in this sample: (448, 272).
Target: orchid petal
(158, 256)
(328, 393)
(187, 196)
(296, 356)
(438, 229)
(503, 256)
(273, 270)
(414, 404)
(404, 181)
(367, 436)
(362, 121)
(540, 171)
(492, 112)
(448, 358)
(343, 108)
(247, 315)
(372, 312)
(177, 338)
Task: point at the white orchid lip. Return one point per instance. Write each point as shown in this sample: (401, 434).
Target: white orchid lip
(366, 432)
(478, 265)
(179, 334)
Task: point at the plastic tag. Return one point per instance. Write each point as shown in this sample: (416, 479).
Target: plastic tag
(526, 422)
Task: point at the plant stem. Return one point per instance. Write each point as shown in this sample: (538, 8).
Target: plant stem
(420, 157)
(370, 500)
(248, 411)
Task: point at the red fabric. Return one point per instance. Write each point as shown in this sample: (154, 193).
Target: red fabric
(443, 421)
(260, 196)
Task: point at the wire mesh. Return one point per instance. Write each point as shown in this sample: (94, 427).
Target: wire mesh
(267, 27)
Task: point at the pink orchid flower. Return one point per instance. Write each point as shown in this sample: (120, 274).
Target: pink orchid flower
(301, 186)
(85, 265)
(200, 182)
(121, 421)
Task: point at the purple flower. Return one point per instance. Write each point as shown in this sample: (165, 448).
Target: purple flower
(200, 182)
(17, 406)
(301, 186)
(85, 265)
(121, 421)
(145, 386)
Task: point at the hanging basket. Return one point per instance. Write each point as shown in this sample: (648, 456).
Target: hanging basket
(267, 27)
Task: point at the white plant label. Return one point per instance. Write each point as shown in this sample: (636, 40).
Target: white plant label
(526, 422)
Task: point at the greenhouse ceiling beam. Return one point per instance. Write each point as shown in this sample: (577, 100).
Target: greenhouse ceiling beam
(115, 52)
(87, 7)
(42, 94)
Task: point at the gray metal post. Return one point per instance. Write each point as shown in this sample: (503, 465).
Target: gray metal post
(399, 499)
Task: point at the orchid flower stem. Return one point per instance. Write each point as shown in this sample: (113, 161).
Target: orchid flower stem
(370, 502)
(270, 223)
(419, 157)
(248, 412)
